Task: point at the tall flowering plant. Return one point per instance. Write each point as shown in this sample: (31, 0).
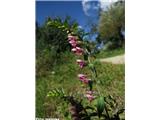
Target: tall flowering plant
(77, 50)
(78, 110)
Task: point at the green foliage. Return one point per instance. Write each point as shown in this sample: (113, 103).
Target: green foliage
(112, 23)
(52, 42)
(100, 105)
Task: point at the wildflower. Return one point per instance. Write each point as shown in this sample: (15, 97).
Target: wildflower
(77, 50)
(82, 77)
(89, 95)
(89, 92)
(73, 43)
(70, 37)
(81, 63)
(74, 49)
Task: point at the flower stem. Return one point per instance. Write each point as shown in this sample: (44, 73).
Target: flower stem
(93, 75)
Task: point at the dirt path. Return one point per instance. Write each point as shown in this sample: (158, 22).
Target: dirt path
(120, 59)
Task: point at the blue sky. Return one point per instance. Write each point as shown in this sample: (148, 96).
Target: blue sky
(80, 11)
(60, 8)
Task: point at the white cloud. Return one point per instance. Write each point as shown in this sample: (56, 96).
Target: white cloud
(94, 5)
(106, 3)
(90, 7)
(80, 27)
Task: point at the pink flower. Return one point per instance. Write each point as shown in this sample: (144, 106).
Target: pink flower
(83, 78)
(74, 49)
(89, 92)
(90, 97)
(73, 43)
(72, 40)
(77, 50)
(70, 37)
(81, 63)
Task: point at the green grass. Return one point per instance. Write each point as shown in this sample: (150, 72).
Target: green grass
(110, 53)
(110, 81)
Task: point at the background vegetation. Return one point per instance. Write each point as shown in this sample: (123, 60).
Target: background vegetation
(112, 25)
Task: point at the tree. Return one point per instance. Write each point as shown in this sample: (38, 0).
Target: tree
(112, 24)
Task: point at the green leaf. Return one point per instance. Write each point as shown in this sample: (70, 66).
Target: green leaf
(49, 23)
(100, 106)
(51, 94)
(56, 93)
